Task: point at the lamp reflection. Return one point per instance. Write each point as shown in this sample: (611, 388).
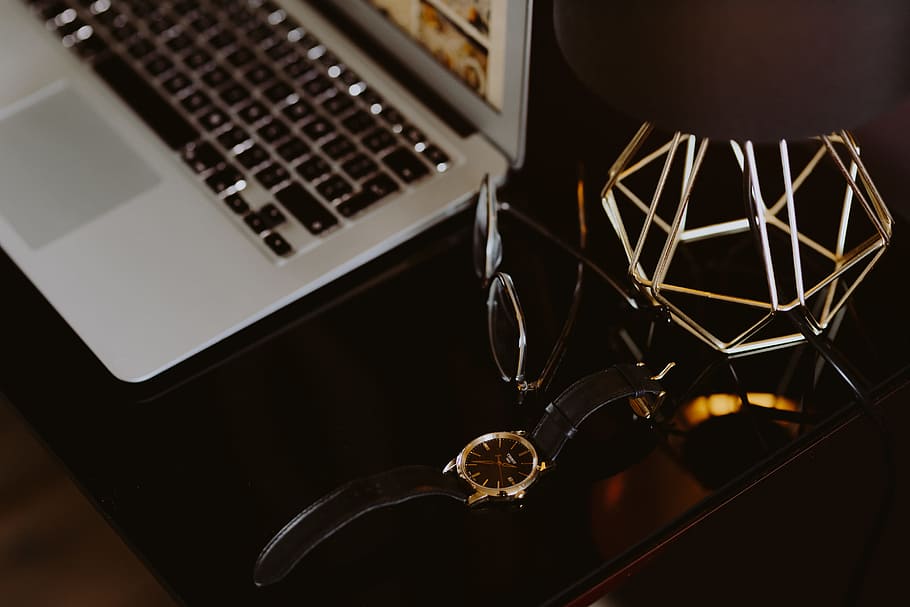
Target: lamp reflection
(715, 437)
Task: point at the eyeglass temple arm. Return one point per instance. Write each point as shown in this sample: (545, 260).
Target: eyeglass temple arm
(625, 293)
(559, 348)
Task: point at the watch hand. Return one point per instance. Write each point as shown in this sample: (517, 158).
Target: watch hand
(492, 462)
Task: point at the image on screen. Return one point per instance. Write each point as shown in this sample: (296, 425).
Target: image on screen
(466, 36)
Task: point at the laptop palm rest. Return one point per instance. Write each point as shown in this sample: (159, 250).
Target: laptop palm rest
(52, 187)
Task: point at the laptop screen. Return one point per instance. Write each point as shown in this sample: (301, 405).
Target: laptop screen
(467, 37)
(474, 53)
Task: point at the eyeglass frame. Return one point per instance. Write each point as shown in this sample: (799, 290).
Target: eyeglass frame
(487, 269)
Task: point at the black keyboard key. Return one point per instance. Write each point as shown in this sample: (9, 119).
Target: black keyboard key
(292, 149)
(359, 121)
(273, 131)
(196, 102)
(379, 139)
(254, 112)
(373, 191)
(274, 14)
(328, 59)
(222, 39)
(371, 98)
(318, 128)
(143, 8)
(140, 47)
(413, 134)
(315, 52)
(160, 23)
(272, 175)
(91, 46)
(252, 156)
(203, 22)
(225, 178)
(179, 43)
(111, 18)
(254, 221)
(261, 34)
(305, 208)
(298, 111)
(233, 136)
(216, 77)
(145, 101)
(185, 7)
(337, 104)
(234, 94)
(306, 41)
(213, 119)
(436, 156)
(359, 166)
(201, 156)
(293, 31)
(197, 58)
(259, 74)
(313, 168)
(278, 92)
(349, 77)
(236, 203)
(238, 13)
(405, 164)
(177, 83)
(279, 50)
(381, 185)
(318, 85)
(52, 10)
(338, 147)
(334, 187)
(277, 243)
(299, 70)
(158, 64)
(272, 215)
(123, 31)
(392, 116)
(72, 32)
(241, 57)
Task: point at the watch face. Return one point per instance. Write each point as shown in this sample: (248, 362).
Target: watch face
(499, 464)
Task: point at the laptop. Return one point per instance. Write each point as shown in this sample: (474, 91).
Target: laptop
(174, 171)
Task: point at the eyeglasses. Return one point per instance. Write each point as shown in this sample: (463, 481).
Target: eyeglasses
(506, 324)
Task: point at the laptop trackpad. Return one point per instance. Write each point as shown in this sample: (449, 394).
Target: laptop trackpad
(62, 165)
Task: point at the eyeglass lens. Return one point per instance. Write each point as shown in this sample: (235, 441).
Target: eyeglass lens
(487, 241)
(506, 327)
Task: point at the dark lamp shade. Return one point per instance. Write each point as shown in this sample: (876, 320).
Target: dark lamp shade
(741, 69)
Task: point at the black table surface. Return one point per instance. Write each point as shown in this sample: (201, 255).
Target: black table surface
(391, 366)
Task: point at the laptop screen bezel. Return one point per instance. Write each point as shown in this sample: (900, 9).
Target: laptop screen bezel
(505, 127)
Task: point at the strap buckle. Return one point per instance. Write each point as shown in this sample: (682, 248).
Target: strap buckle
(647, 405)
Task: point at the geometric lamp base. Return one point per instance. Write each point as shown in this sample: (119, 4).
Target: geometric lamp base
(727, 235)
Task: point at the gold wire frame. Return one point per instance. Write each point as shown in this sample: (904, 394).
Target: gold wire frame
(828, 294)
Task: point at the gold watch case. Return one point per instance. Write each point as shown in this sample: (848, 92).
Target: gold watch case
(499, 466)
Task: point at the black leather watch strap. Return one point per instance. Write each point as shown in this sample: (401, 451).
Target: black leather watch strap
(347, 503)
(565, 414)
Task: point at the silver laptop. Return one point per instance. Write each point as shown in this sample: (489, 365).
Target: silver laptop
(174, 171)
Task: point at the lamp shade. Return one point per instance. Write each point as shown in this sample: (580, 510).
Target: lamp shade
(735, 69)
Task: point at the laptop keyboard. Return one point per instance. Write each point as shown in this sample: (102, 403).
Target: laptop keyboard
(272, 121)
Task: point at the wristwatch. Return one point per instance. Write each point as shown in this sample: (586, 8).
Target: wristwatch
(494, 467)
